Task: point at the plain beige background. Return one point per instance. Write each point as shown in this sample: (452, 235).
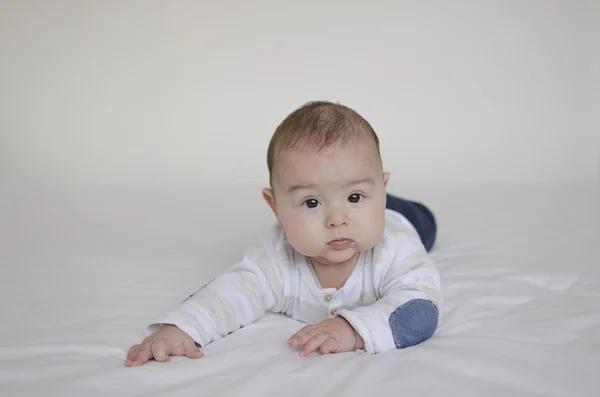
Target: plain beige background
(189, 92)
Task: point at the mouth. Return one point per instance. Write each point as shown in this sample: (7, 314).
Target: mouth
(340, 243)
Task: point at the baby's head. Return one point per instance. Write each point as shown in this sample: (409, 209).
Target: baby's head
(327, 182)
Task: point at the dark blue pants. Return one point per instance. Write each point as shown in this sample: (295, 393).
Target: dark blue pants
(417, 214)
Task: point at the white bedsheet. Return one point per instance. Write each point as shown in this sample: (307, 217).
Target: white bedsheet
(84, 270)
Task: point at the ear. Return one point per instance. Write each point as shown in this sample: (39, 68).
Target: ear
(269, 197)
(386, 178)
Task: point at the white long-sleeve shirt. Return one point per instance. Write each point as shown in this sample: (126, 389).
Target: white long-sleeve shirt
(272, 276)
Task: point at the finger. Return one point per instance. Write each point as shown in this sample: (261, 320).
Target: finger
(131, 354)
(133, 350)
(302, 336)
(178, 350)
(192, 351)
(299, 335)
(143, 355)
(314, 343)
(331, 345)
(161, 350)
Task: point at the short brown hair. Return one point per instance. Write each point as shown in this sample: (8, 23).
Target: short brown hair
(317, 126)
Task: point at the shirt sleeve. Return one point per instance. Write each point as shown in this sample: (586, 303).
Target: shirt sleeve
(409, 278)
(237, 298)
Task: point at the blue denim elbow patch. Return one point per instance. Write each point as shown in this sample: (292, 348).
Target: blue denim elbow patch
(413, 322)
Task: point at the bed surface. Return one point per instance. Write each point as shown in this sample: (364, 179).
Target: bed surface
(83, 270)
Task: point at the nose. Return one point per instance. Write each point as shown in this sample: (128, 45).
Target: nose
(337, 217)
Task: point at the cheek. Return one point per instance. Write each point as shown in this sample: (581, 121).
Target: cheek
(373, 224)
(300, 229)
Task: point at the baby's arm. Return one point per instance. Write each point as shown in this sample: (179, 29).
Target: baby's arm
(234, 299)
(409, 308)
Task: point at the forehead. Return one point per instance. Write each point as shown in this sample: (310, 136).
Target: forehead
(335, 165)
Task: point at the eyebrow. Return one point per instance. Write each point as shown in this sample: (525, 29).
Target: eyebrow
(369, 181)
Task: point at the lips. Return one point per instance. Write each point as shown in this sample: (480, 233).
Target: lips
(340, 243)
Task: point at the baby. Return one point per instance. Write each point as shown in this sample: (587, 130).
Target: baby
(344, 257)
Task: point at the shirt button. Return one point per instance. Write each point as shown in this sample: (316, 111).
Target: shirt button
(333, 311)
(328, 297)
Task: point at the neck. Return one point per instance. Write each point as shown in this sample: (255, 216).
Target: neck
(333, 275)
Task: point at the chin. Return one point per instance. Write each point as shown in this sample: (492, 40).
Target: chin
(340, 256)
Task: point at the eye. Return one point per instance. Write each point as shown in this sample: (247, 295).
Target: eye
(311, 203)
(355, 197)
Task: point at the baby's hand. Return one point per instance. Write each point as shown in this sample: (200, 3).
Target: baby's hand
(167, 341)
(335, 335)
